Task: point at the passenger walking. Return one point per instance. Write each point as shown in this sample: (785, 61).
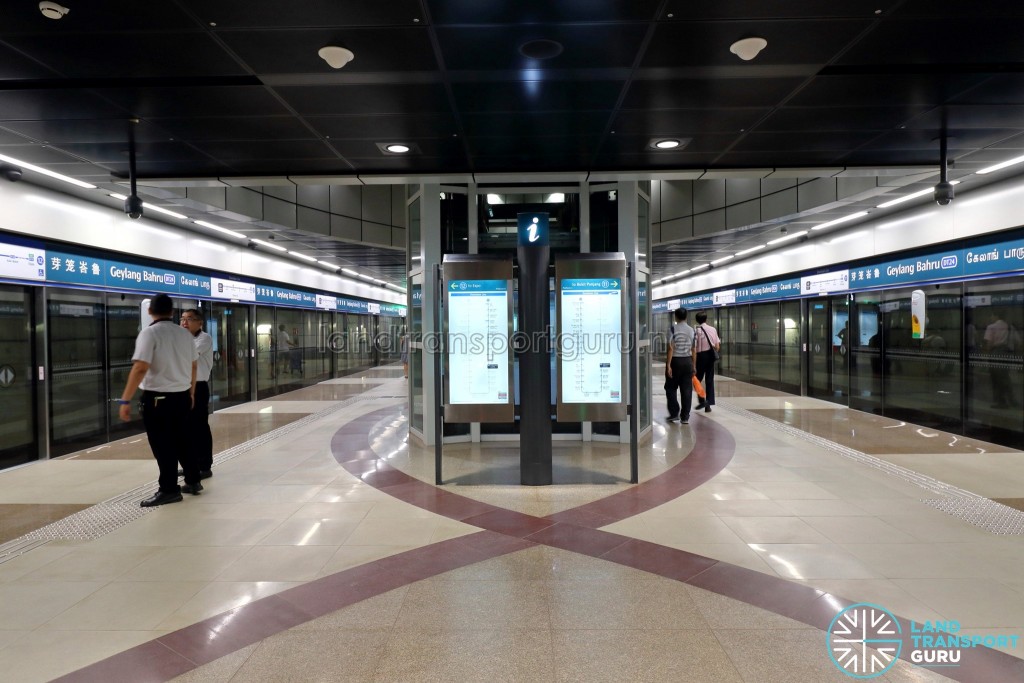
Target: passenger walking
(164, 367)
(679, 368)
(706, 345)
(200, 438)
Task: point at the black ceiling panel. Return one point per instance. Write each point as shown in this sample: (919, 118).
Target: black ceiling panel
(55, 105)
(254, 150)
(757, 9)
(706, 43)
(708, 93)
(758, 141)
(546, 124)
(131, 55)
(305, 14)
(839, 118)
(525, 96)
(468, 12)
(889, 90)
(235, 87)
(177, 102)
(93, 17)
(293, 52)
(14, 65)
(236, 128)
(87, 131)
(940, 42)
(366, 99)
(686, 122)
(588, 46)
(385, 127)
(117, 152)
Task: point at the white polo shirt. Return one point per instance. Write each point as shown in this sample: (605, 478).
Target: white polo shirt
(170, 351)
(204, 347)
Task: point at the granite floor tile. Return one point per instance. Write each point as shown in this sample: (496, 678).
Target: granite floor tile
(475, 655)
(659, 655)
(299, 656)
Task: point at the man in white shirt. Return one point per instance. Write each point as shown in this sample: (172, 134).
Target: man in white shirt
(284, 347)
(200, 439)
(164, 367)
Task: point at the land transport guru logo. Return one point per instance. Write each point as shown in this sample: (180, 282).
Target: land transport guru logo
(865, 640)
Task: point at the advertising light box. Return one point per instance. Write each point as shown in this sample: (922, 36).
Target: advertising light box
(478, 323)
(591, 309)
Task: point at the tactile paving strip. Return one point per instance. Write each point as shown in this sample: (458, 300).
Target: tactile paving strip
(114, 513)
(970, 507)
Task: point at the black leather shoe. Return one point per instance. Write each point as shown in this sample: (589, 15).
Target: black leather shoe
(205, 474)
(194, 489)
(707, 409)
(700, 404)
(161, 498)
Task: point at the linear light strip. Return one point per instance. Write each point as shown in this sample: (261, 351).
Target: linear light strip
(844, 219)
(268, 245)
(1001, 165)
(211, 226)
(46, 172)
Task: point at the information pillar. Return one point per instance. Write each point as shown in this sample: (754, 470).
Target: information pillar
(534, 356)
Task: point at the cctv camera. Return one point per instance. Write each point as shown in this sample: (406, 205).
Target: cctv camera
(251, 245)
(943, 193)
(12, 173)
(133, 206)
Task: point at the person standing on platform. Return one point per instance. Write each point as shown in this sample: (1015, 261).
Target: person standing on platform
(284, 348)
(200, 439)
(679, 368)
(164, 367)
(706, 343)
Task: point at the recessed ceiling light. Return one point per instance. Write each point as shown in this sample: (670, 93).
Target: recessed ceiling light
(666, 144)
(397, 148)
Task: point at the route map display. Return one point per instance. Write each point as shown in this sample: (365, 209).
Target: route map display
(591, 340)
(478, 355)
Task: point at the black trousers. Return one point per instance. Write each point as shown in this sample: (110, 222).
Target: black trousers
(165, 415)
(200, 439)
(681, 379)
(706, 374)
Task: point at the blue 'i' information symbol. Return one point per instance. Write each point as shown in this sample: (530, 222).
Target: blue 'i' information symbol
(864, 640)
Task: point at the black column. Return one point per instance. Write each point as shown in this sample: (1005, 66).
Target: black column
(534, 367)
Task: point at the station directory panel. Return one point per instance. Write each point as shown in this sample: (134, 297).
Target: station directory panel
(591, 309)
(478, 328)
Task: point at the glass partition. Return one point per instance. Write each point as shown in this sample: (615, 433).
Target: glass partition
(75, 323)
(994, 346)
(17, 378)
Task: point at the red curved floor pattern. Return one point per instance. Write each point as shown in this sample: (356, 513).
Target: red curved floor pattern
(505, 531)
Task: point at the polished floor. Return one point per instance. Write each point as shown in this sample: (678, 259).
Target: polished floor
(321, 550)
